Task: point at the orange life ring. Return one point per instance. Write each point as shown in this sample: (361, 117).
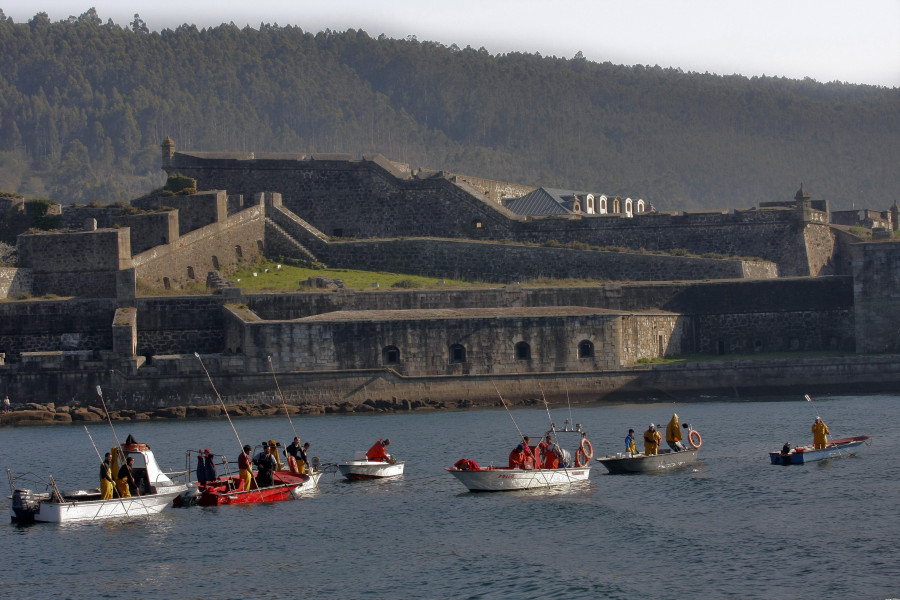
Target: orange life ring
(580, 458)
(587, 449)
(695, 440)
(135, 447)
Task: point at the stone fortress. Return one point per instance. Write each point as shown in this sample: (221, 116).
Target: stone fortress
(778, 278)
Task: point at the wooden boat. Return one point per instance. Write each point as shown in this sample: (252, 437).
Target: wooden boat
(501, 479)
(804, 454)
(628, 462)
(362, 468)
(156, 489)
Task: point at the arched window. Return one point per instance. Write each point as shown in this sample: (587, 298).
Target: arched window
(523, 351)
(457, 354)
(585, 349)
(238, 252)
(190, 272)
(589, 202)
(390, 355)
(602, 210)
(640, 207)
(215, 262)
(617, 205)
(628, 211)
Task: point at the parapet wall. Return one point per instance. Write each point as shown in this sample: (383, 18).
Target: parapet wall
(363, 199)
(508, 263)
(15, 282)
(876, 268)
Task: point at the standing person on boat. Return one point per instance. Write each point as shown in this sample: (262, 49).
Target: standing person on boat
(267, 465)
(673, 434)
(630, 443)
(551, 454)
(378, 451)
(517, 458)
(652, 438)
(245, 466)
(295, 451)
(125, 481)
(820, 434)
(531, 461)
(107, 483)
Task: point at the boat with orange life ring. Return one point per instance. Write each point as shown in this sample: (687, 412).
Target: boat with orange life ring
(573, 466)
(667, 459)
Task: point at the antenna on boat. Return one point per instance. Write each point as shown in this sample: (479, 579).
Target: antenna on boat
(571, 420)
(227, 416)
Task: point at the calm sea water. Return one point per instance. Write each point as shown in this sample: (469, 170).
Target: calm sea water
(732, 527)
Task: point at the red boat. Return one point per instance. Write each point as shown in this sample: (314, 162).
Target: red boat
(227, 490)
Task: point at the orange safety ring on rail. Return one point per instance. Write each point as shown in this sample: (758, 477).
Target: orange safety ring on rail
(135, 447)
(694, 439)
(580, 458)
(587, 449)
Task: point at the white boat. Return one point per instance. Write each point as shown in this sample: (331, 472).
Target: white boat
(156, 488)
(362, 468)
(500, 479)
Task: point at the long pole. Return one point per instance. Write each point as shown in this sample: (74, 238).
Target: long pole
(110, 474)
(552, 425)
(227, 416)
(521, 436)
(816, 410)
(288, 415)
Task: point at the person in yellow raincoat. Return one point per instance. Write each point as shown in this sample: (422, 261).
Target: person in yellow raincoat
(630, 442)
(107, 483)
(652, 438)
(820, 434)
(125, 480)
(673, 434)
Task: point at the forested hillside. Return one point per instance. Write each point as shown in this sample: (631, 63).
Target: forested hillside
(84, 106)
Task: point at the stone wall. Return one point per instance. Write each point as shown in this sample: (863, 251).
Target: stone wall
(506, 263)
(876, 291)
(363, 199)
(55, 325)
(194, 211)
(76, 264)
(180, 325)
(15, 282)
(234, 240)
(149, 230)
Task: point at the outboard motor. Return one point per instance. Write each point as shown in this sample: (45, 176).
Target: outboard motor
(189, 497)
(25, 505)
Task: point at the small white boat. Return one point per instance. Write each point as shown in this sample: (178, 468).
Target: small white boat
(502, 479)
(362, 468)
(156, 489)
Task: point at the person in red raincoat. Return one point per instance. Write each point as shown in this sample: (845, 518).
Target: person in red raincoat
(378, 451)
(517, 458)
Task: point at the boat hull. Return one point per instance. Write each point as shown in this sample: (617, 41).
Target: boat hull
(356, 470)
(806, 454)
(640, 463)
(505, 479)
(74, 511)
(227, 490)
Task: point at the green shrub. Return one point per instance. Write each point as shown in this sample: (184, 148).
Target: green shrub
(177, 183)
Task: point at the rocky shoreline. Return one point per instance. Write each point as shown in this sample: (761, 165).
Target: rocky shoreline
(50, 414)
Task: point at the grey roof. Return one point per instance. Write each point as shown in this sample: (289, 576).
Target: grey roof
(543, 201)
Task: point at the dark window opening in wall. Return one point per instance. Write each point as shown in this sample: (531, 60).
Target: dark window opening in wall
(523, 351)
(238, 252)
(259, 246)
(190, 272)
(757, 345)
(720, 347)
(457, 354)
(337, 233)
(660, 346)
(585, 349)
(390, 355)
(166, 283)
(215, 261)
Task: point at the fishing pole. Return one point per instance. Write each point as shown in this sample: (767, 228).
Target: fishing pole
(227, 416)
(521, 436)
(115, 492)
(115, 435)
(288, 415)
(553, 427)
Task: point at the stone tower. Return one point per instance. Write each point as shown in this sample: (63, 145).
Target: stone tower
(168, 152)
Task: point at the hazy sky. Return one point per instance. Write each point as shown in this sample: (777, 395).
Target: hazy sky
(855, 41)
